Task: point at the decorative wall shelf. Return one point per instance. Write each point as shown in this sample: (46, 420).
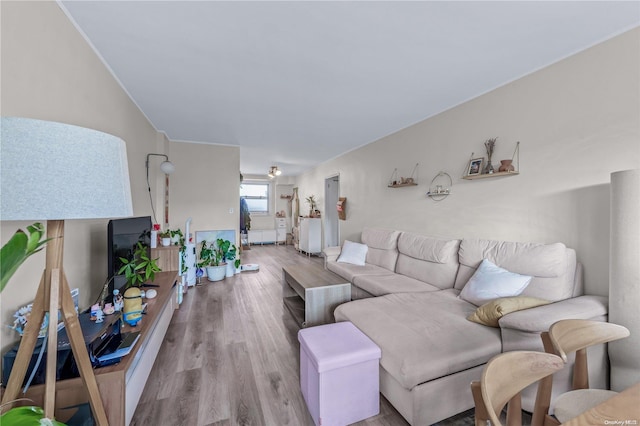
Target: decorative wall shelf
(400, 185)
(516, 167)
(490, 175)
(440, 187)
(395, 182)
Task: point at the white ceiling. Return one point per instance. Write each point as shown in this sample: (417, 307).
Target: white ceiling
(297, 83)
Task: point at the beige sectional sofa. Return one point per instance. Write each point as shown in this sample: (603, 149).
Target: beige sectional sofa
(406, 299)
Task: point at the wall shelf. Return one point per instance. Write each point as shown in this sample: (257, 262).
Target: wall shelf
(490, 175)
(400, 182)
(440, 187)
(515, 171)
(400, 185)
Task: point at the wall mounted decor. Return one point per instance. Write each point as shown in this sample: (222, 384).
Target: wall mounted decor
(395, 182)
(440, 187)
(341, 206)
(507, 167)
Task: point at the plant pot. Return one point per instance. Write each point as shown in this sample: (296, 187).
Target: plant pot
(166, 242)
(216, 273)
(231, 269)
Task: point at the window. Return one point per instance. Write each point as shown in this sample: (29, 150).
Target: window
(257, 195)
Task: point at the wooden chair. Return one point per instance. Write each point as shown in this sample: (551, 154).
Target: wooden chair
(503, 378)
(565, 337)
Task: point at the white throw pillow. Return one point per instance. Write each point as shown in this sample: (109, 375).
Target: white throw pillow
(354, 253)
(491, 282)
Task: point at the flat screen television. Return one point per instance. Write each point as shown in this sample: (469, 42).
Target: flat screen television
(123, 235)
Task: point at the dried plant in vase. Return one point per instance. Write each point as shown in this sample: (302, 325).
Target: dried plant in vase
(489, 144)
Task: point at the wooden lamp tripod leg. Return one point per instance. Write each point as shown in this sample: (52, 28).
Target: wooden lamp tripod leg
(53, 292)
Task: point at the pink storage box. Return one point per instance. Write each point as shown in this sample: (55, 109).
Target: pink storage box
(339, 374)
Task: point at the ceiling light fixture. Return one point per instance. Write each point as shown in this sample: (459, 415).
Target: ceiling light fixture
(274, 171)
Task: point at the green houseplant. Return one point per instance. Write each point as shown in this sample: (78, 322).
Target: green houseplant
(13, 254)
(176, 236)
(212, 258)
(165, 237)
(140, 268)
(18, 249)
(230, 253)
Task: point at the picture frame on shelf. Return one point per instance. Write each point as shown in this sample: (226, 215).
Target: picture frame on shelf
(475, 166)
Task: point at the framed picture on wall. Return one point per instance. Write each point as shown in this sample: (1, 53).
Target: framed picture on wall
(475, 166)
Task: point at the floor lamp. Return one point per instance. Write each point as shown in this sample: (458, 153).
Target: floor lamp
(55, 172)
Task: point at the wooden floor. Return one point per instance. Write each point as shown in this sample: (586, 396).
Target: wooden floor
(231, 356)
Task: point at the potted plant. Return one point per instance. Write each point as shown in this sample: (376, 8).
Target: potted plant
(18, 249)
(230, 252)
(165, 237)
(212, 258)
(140, 268)
(176, 236)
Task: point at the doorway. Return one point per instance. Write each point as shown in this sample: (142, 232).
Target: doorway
(331, 225)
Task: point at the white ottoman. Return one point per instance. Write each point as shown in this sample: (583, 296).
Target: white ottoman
(339, 374)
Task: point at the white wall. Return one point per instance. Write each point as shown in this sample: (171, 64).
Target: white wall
(577, 120)
(205, 187)
(49, 72)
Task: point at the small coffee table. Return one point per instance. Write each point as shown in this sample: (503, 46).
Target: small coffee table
(311, 293)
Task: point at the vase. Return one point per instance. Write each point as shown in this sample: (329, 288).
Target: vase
(154, 239)
(488, 169)
(506, 166)
(166, 242)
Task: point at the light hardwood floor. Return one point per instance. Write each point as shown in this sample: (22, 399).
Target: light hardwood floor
(231, 356)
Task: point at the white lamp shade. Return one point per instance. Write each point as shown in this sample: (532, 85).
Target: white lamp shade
(55, 171)
(167, 167)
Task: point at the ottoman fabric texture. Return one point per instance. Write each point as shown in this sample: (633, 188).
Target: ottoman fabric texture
(339, 375)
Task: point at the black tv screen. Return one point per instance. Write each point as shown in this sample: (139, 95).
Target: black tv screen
(123, 235)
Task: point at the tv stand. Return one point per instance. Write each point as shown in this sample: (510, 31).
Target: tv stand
(121, 385)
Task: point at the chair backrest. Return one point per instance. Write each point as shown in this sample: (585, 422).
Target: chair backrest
(503, 378)
(576, 335)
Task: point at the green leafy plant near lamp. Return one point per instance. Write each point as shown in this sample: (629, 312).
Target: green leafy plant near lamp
(18, 249)
(139, 269)
(12, 255)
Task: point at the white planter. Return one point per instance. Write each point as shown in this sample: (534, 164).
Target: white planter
(231, 269)
(166, 242)
(216, 273)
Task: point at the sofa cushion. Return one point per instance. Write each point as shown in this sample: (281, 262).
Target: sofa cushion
(354, 253)
(379, 285)
(491, 282)
(552, 266)
(491, 312)
(423, 336)
(348, 270)
(431, 260)
(383, 247)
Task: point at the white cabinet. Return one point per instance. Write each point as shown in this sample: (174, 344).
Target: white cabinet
(261, 236)
(281, 230)
(310, 235)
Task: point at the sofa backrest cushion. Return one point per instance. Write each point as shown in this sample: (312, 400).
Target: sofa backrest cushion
(552, 266)
(383, 247)
(431, 260)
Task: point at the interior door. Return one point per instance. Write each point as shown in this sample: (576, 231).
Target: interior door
(331, 223)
